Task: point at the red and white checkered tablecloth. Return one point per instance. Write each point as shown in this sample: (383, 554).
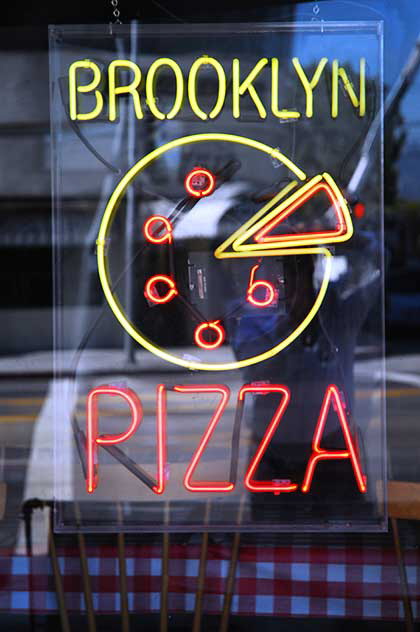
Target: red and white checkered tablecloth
(283, 581)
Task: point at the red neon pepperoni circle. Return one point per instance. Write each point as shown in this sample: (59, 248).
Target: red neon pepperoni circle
(213, 326)
(150, 229)
(270, 294)
(150, 291)
(200, 171)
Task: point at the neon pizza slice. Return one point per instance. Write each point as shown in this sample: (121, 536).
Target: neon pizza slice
(261, 234)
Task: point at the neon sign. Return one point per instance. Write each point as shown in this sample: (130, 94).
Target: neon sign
(242, 84)
(332, 397)
(236, 276)
(234, 247)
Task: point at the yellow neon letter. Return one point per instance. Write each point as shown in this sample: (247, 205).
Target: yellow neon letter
(283, 114)
(131, 88)
(338, 72)
(74, 89)
(238, 89)
(309, 85)
(192, 87)
(150, 88)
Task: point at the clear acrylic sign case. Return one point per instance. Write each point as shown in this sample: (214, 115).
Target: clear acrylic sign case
(218, 277)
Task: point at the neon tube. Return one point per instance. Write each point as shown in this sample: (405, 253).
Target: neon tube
(199, 171)
(151, 293)
(270, 293)
(92, 438)
(151, 232)
(212, 326)
(206, 486)
(267, 486)
(332, 396)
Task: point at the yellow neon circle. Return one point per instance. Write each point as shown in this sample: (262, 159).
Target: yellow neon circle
(113, 301)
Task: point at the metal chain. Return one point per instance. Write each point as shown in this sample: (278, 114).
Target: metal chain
(116, 12)
(315, 13)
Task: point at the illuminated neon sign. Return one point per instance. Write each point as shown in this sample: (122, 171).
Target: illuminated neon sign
(236, 246)
(332, 397)
(243, 83)
(237, 261)
(261, 236)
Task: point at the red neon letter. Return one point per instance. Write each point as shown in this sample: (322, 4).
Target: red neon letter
(270, 292)
(212, 326)
(161, 438)
(92, 438)
(151, 292)
(332, 394)
(267, 486)
(153, 228)
(206, 486)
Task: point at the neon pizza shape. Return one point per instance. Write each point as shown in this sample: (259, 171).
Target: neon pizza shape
(260, 236)
(261, 232)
